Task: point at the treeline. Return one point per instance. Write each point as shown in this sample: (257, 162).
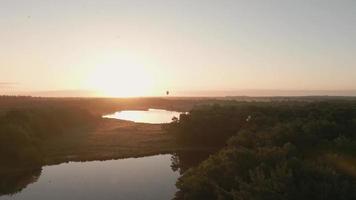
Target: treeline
(271, 151)
(16, 181)
(100, 106)
(22, 132)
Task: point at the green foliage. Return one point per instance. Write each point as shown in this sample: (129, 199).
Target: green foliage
(275, 154)
(16, 181)
(208, 125)
(17, 147)
(23, 131)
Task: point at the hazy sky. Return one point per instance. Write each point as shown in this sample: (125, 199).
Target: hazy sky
(145, 47)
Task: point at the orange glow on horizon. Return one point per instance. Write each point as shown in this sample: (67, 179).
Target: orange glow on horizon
(121, 77)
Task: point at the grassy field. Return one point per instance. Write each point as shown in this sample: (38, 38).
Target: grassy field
(111, 139)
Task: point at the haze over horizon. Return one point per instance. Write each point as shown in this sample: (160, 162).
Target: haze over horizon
(191, 48)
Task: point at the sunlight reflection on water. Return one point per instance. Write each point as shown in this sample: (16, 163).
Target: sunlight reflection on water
(152, 116)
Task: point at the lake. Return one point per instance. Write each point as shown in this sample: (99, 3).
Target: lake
(152, 116)
(133, 178)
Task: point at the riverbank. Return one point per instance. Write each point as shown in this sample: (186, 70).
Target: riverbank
(112, 139)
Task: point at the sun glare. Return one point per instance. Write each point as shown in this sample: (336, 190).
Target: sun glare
(121, 77)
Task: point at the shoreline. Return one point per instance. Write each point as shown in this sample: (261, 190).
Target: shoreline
(111, 140)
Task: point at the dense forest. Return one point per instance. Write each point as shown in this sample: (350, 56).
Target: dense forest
(23, 131)
(274, 150)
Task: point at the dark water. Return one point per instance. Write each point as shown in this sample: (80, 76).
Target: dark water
(134, 178)
(151, 116)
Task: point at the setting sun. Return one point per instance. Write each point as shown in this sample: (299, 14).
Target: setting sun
(121, 77)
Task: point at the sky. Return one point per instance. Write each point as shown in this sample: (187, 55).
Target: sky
(145, 47)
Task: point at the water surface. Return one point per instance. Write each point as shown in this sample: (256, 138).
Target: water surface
(152, 116)
(127, 179)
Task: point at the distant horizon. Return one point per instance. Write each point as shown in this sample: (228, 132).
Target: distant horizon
(195, 93)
